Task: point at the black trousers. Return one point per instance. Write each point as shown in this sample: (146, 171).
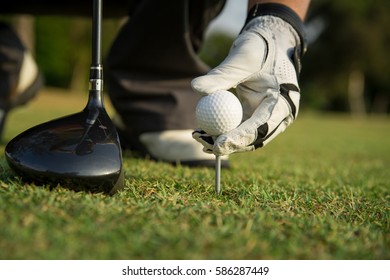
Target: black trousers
(153, 59)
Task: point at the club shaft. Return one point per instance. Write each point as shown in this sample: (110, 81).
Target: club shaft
(217, 174)
(97, 33)
(96, 69)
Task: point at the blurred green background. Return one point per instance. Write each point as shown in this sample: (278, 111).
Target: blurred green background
(346, 69)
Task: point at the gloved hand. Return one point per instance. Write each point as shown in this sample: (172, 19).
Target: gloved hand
(262, 66)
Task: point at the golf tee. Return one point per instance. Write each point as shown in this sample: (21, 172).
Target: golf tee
(217, 174)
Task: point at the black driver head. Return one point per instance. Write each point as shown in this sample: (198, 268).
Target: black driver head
(79, 152)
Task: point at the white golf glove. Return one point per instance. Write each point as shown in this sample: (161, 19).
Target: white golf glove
(262, 66)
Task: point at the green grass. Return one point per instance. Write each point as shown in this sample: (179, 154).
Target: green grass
(319, 191)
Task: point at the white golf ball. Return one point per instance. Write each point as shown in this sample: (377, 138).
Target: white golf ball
(219, 112)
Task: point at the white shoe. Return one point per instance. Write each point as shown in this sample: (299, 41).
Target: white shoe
(177, 146)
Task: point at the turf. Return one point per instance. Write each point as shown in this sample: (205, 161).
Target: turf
(321, 190)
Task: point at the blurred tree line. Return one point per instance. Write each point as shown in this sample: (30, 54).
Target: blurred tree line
(347, 67)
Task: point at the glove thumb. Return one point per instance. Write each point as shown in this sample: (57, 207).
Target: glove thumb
(246, 57)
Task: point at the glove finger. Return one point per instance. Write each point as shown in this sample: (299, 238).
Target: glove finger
(237, 140)
(281, 128)
(227, 146)
(271, 117)
(205, 139)
(283, 114)
(245, 58)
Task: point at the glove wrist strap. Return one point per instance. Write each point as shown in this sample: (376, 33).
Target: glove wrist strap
(285, 13)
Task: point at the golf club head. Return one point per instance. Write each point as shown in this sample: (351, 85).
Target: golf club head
(80, 152)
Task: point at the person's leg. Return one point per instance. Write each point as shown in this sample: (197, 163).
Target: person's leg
(19, 76)
(150, 67)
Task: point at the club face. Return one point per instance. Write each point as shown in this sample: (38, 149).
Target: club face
(73, 151)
